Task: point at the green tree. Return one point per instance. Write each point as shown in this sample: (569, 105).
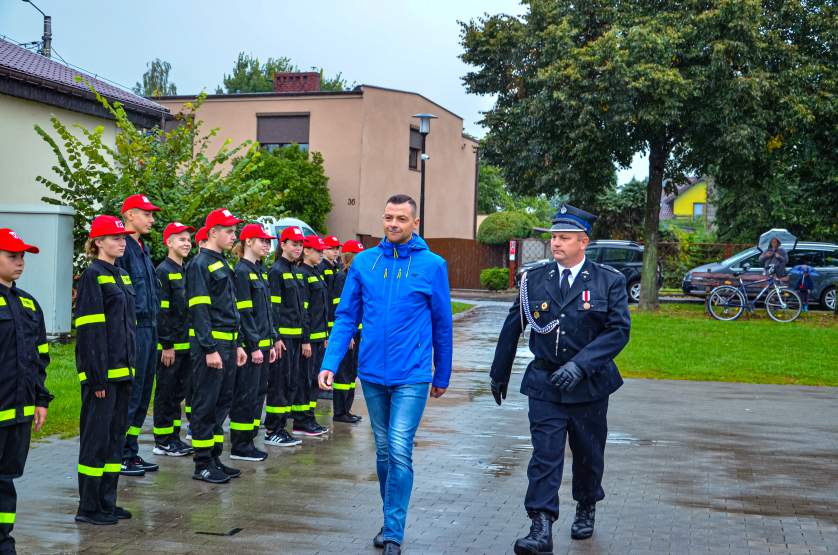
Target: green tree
(156, 80)
(500, 227)
(251, 75)
(619, 211)
(492, 195)
(583, 86)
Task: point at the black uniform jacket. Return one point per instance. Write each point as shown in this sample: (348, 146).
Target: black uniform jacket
(316, 302)
(331, 275)
(211, 294)
(590, 332)
(288, 299)
(253, 299)
(173, 320)
(105, 325)
(137, 262)
(24, 356)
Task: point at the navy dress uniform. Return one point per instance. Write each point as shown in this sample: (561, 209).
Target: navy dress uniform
(24, 357)
(579, 322)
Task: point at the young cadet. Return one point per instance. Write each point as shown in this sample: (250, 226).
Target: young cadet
(201, 239)
(173, 335)
(105, 354)
(258, 334)
(316, 302)
(138, 217)
(330, 268)
(287, 378)
(211, 294)
(344, 383)
(24, 357)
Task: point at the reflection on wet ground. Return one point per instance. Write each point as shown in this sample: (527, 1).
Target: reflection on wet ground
(690, 467)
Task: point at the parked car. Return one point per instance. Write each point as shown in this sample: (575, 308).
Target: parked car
(822, 256)
(276, 226)
(625, 256)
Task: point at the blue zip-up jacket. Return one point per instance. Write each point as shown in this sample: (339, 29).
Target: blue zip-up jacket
(401, 296)
(137, 262)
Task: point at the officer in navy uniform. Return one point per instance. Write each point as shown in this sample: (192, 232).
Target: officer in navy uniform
(579, 318)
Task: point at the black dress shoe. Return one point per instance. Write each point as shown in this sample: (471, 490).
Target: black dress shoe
(344, 418)
(121, 514)
(392, 548)
(583, 524)
(99, 519)
(355, 416)
(378, 540)
(540, 539)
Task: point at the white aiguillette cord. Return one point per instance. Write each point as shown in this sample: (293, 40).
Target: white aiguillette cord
(525, 312)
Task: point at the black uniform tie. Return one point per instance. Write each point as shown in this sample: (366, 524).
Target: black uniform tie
(565, 285)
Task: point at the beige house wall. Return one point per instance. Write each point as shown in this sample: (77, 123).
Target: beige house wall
(23, 153)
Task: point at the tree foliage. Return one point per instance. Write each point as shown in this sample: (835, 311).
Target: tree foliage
(500, 227)
(251, 75)
(620, 211)
(156, 80)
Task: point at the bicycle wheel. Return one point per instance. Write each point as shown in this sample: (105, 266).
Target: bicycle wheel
(783, 305)
(725, 303)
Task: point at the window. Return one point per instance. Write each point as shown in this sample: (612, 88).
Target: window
(698, 210)
(415, 149)
(617, 255)
(270, 147)
(593, 253)
(810, 257)
(281, 130)
(830, 259)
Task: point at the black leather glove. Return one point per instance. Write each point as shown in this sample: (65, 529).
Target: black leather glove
(498, 391)
(567, 377)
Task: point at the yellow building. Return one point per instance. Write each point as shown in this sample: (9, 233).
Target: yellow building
(689, 202)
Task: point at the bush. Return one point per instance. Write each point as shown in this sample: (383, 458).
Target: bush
(499, 228)
(495, 279)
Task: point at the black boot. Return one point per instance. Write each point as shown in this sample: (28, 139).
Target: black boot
(583, 524)
(540, 539)
(392, 548)
(378, 540)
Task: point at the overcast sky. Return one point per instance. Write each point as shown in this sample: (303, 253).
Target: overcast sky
(409, 45)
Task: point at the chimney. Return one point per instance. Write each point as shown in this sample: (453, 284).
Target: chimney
(294, 82)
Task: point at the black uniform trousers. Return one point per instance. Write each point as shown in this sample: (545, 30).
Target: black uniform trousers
(248, 396)
(212, 396)
(552, 426)
(14, 447)
(284, 379)
(103, 425)
(146, 365)
(170, 391)
(344, 382)
(312, 389)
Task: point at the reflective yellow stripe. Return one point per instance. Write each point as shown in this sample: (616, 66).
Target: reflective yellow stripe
(352, 385)
(336, 300)
(7, 518)
(264, 343)
(290, 331)
(341, 386)
(126, 280)
(191, 332)
(330, 324)
(202, 443)
(313, 279)
(276, 299)
(226, 335)
(90, 319)
(133, 431)
(200, 299)
(312, 405)
(105, 279)
(277, 410)
(43, 348)
(256, 423)
(218, 439)
(299, 276)
(119, 373)
(264, 275)
(181, 346)
(176, 276)
(244, 304)
(27, 303)
(177, 423)
(113, 467)
(252, 276)
(299, 408)
(187, 409)
(163, 431)
(8, 414)
(82, 376)
(91, 470)
(318, 335)
(215, 266)
(287, 275)
(360, 326)
(328, 272)
(2, 301)
(241, 426)
(305, 305)
(164, 304)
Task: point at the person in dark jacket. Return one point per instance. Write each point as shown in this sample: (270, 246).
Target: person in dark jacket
(173, 334)
(578, 314)
(214, 350)
(258, 334)
(286, 378)
(24, 357)
(105, 321)
(330, 268)
(138, 217)
(775, 257)
(201, 240)
(344, 383)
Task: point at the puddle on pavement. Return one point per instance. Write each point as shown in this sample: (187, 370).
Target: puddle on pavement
(620, 438)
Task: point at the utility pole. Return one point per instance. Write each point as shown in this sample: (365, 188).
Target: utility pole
(46, 39)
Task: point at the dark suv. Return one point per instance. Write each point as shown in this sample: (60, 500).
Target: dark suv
(625, 256)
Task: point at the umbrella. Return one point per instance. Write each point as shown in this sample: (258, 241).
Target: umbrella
(787, 240)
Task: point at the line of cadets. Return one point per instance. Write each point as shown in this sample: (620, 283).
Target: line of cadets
(229, 341)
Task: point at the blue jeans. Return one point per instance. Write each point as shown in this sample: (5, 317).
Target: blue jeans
(395, 412)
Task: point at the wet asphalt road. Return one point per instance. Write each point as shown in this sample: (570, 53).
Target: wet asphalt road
(690, 468)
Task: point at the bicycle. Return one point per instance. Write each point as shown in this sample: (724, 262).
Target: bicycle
(728, 302)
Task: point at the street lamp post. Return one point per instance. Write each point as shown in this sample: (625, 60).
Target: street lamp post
(424, 129)
(46, 40)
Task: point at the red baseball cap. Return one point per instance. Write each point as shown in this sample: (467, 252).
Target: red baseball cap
(292, 234)
(107, 225)
(314, 242)
(352, 246)
(331, 241)
(175, 227)
(254, 231)
(222, 217)
(11, 242)
(201, 235)
(138, 201)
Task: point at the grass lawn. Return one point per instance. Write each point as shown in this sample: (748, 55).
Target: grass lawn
(681, 342)
(456, 307)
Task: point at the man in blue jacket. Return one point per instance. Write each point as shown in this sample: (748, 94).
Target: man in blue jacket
(399, 292)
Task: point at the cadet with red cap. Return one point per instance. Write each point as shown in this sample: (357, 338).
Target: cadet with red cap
(286, 377)
(343, 386)
(173, 367)
(316, 301)
(201, 239)
(24, 357)
(105, 323)
(329, 268)
(138, 215)
(258, 334)
(211, 294)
